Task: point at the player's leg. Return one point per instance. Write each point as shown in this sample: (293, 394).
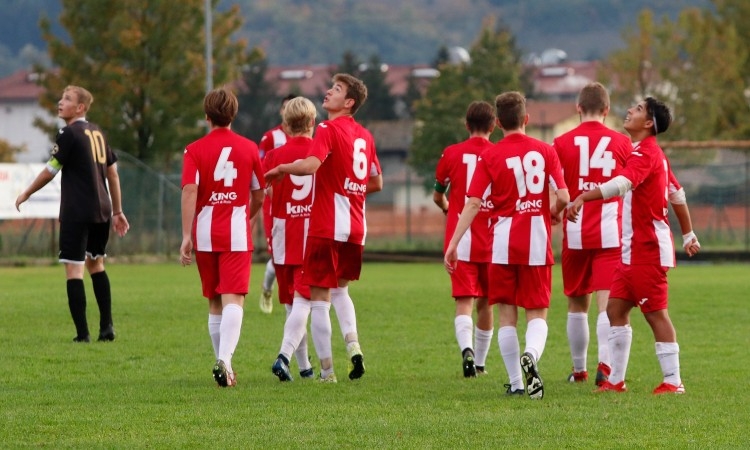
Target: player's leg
(266, 294)
(603, 268)
(501, 289)
(577, 274)
(464, 328)
(73, 256)
(96, 252)
(533, 293)
(348, 263)
(234, 275)
(483, 333)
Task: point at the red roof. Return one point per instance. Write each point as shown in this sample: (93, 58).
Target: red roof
(21, 86)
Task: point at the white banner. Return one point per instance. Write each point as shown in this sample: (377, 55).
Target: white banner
(14, 178)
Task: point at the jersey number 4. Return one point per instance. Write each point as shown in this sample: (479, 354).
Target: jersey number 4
(224, 169)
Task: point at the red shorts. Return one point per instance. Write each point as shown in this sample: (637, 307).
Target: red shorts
(223, 272)
(327, 261)
(644, 285)
(289, 279)
(586, 271)
(529, 287)
(470, 279)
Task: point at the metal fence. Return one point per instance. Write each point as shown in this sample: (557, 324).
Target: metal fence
(402, 217)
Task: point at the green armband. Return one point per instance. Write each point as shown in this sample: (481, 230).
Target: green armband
(440, 188)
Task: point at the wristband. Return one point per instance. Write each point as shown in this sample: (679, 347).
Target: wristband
(688, 238)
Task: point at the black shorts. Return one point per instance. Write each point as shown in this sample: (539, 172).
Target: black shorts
(78, 239)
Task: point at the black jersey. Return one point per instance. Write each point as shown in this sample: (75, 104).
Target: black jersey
(83, 152)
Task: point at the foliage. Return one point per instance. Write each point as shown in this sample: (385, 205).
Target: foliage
(380, 105)
(144, 63)
(152, 387)
(8, 151)
(494, 68)
(259, 105)
(696, 63)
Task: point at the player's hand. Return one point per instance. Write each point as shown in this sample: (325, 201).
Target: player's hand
(555, 216)
(690, 244)
(451, 256)
(21, 198)
(574, 208)
(273, 175)
(186, 252)
(120, 224)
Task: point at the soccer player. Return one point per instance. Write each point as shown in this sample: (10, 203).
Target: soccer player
(273, 138)
(469, 281)
(346, 165)
(640, 279)
(291, 203)
(222, 190)
(519, 172)
(87, 208)
(590, 155)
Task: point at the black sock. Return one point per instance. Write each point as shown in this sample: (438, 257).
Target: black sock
(103, 299)
(77, 305)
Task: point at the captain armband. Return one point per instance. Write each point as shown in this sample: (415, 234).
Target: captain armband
(53, 166)
(440, 188)
(678, 197)
(615, 187)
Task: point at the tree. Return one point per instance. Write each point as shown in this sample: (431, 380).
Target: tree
(494, 67)
(259, 104)
(696, 64)
(8, 151)
(380, 104)
(144, 63)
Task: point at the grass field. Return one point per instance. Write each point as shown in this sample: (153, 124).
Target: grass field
(153, 388)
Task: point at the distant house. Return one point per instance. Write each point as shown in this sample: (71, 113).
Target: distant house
(19, 106)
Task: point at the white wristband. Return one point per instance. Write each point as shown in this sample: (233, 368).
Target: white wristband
(688, 238)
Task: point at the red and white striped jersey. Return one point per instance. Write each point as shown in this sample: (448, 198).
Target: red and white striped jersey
(273, 138)
(592, 154)
(347, 151)
(519, 170)
(646, 236)
(456, 168)
(291, 203)
(226, 167)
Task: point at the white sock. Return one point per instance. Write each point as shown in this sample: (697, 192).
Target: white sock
(464, 327)
(619, 340)
(669, 360)
(510, 350)
(602, 336)
(214, 322)
(578, 339)
(320, 326)
(231, 325)
(482, 341)
(344, 307)
(536, 338)
(301, 353)
(270, 276)
(295, 328)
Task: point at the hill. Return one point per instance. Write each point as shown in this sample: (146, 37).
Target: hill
(400, 32)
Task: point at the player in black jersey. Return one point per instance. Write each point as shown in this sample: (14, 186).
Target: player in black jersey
(86, 212)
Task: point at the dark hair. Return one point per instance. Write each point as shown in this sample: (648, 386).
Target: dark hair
(659, 113)
(480, 116)
(220, 106)
(355, 89)
(287, 98)
(593, 99)
(511, 110)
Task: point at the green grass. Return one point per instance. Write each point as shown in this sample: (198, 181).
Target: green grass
(153, 388)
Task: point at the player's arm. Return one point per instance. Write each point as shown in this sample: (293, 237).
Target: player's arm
(470, 211)
(119, 221)
(617, 186)
(562, 198)
(188, 201)
(41, 180)
(679, 205)
(375, 184)
(256, 201)
(439, 198)
(307, 166)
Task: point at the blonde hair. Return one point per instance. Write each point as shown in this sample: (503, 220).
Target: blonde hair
(299, 116)
(84, 97)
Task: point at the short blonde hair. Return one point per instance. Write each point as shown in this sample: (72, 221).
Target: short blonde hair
(84, 96)
(299, 115)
